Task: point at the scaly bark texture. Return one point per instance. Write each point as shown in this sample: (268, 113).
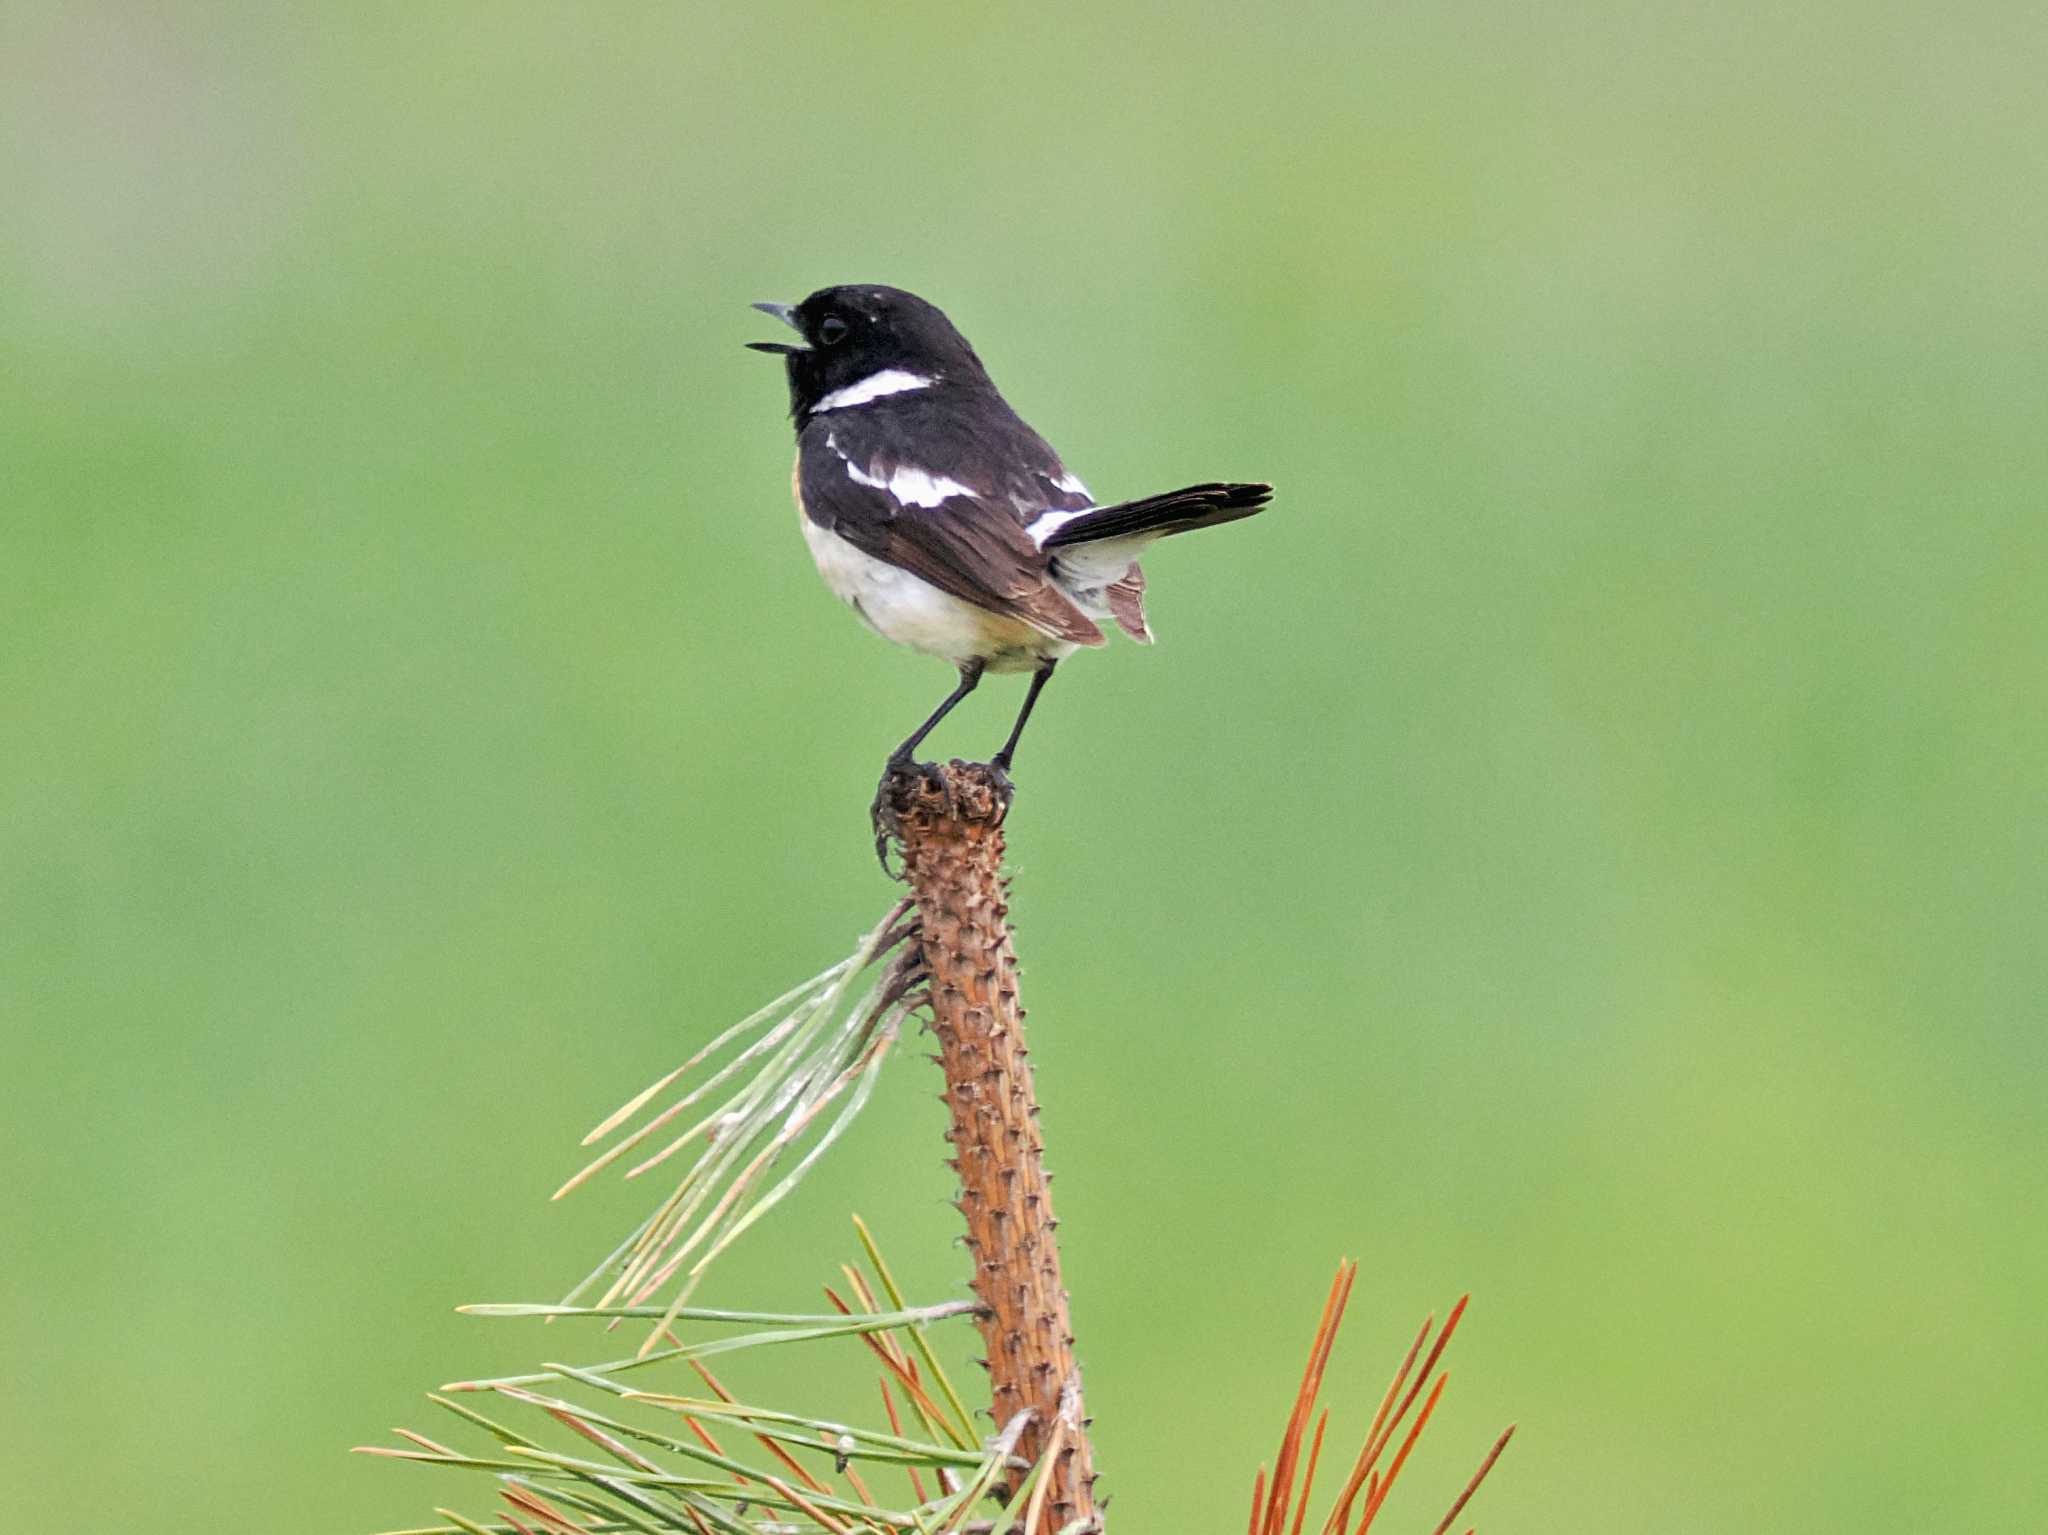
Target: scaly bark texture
(952, 843)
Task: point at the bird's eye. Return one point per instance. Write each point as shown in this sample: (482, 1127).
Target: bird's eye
(831, 330)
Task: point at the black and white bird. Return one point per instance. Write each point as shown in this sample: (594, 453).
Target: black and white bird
(944, 521)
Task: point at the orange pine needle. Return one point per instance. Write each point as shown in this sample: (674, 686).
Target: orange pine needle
(1370, 1450)
(704, 1437)
(1273, 1495)
(1401, 1456)
(1436, 1352)
(836, 1526)
(717, 1386)
(896, 1428)
(904, 1370)
(1308, 1482)
(766, 1441)
(604, 1441)
(860, 1488)
(1304, 1400)
(883, 1341)
(1382, 1424)
(556, 1521)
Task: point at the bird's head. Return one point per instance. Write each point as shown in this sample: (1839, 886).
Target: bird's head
(867, 336)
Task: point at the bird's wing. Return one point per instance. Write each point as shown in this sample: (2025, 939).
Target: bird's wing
(968, 540)
(971, 437)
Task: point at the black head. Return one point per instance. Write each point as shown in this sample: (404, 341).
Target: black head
(854, 332)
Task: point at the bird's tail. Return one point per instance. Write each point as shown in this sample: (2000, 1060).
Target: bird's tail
(1176, 511)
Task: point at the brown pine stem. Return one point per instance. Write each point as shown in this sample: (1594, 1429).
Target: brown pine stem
(951, 830)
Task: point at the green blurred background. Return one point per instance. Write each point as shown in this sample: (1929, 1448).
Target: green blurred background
(1585, 845)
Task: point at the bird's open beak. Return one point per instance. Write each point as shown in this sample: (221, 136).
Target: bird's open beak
(786, 313)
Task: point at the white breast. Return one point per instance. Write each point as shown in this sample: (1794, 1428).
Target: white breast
(912, 612)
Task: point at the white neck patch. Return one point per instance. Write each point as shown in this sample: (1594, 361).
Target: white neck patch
(873, 387)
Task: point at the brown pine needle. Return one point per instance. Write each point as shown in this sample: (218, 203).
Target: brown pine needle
(557, 1522)
(1383, 1426)
(604, 1441)
(906, 1376)
(916, 1339)
(1372, 1507)
(1369, 1451)
(703, 1437)
(717, 1390)
(897, 1356)
(853, 1480)
(766, 1441)
(1366, 1487)
(1478, 1476)
(896, 1428)
(836, 1526)
(1436, 1352)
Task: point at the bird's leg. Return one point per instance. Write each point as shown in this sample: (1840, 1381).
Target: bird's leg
(970, 674)
(1002, 759)
(879, 813)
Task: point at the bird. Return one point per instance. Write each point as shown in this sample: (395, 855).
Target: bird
(946, 523)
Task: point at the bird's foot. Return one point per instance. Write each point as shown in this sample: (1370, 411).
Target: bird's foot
(999, 780)
(883, 814)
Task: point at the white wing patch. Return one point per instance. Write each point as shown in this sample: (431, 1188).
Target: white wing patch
(907, 484)
(913, 487)
(873, 387)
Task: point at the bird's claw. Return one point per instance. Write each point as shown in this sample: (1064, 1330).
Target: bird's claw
(887, 824)
(882, 813)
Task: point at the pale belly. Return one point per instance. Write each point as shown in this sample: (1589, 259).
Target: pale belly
(912, 612)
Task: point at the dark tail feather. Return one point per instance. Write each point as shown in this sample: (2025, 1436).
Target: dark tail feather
(1177, 511)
